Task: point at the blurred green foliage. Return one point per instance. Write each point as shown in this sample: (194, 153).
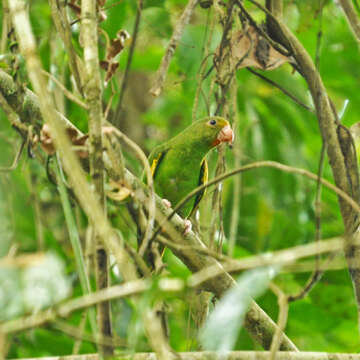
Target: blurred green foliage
(276, 210)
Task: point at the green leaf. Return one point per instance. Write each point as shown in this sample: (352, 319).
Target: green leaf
(224, 323)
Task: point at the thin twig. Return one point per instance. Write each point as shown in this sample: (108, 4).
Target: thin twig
(352, 18)
(81, 329)
(119, 108)
(201, 75)
(317, 273)
(93, 95)
(311, 282)
(113, 5)
(65, 309)
(202, 250)
(66, 92)
(282, 319)
(17, 157)
(319, 35)
(63, 28)
(169, 53)
(282, 257)
(261, 164)
(236, 198)
(275, 7)
(74, 332)
(13, 116)
(283, 90)
(333, 262)
(225, 74)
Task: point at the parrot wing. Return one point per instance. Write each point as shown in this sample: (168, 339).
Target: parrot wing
(155, 160)
(203, 178)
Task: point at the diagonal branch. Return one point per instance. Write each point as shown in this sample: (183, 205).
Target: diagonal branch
(352, 18)
(282, 89)
(260, 326)
(64, 310)
(169, 53)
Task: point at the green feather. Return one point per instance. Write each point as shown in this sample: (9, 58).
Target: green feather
(179, 165)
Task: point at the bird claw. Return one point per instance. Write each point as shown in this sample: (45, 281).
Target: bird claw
(166, 203)
(187, 226)
(187, 222)
(107, 130)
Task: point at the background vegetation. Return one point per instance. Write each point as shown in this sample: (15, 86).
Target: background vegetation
(274, 210)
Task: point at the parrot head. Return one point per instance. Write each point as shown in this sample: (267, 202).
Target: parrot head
(223, 130)
(214, 130)
(205, 134)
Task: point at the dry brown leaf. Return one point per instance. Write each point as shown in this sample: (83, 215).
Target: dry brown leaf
(249, 48)
(110, 68)
(118, 44)
(76, 138)
(117, 191)
(75, 7)
(114, 48)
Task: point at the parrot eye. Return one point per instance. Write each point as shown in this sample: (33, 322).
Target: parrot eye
(212, 122)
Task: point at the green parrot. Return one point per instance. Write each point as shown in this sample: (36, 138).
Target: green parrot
(179, 165)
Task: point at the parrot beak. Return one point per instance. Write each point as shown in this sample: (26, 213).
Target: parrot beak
(226, 135)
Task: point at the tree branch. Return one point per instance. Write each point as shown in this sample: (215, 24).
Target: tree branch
(282, 89)
(169, 53)
(92, 89)
(119, 108)
(62, 26)
(352, 18)
(64, 310)
(26, 104)
(281, 257)
(209, 355)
